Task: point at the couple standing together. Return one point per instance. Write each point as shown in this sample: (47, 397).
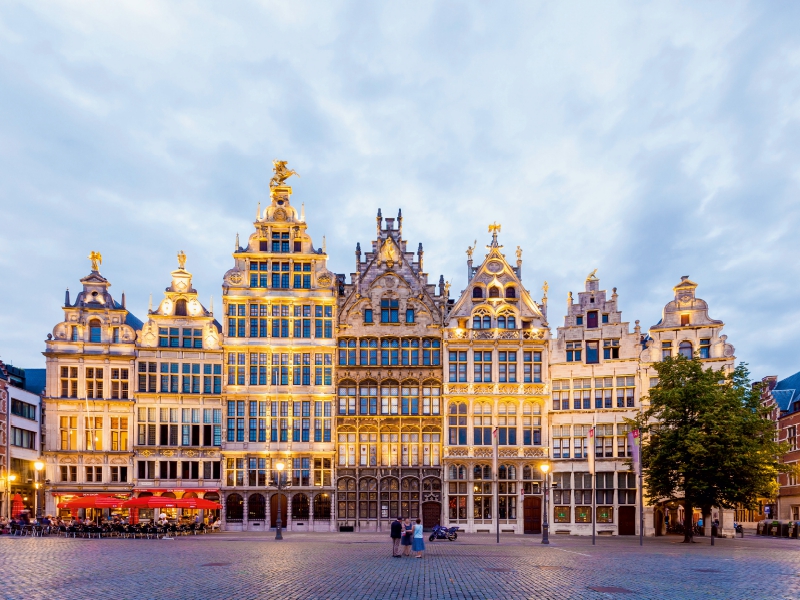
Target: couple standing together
(410, 536)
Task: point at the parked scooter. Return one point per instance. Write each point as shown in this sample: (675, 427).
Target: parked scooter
(443, 533)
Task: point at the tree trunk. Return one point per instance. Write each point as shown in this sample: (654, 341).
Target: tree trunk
(688, 522)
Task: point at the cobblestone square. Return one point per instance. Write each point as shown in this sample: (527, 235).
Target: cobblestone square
(235, 565)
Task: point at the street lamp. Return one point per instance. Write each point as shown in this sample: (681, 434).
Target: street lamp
(280, 466)
(38, 465)
(545, 467)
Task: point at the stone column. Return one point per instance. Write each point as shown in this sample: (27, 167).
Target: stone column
(288, 524)
(310, 524)
(245, 500)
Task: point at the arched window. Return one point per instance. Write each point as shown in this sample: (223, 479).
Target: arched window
(494, 292)
(256, 507)
(511, 292)
(511, 323)
(322, 507)
(482, 472)
(300, 507)
(476, 322)
(409, 497)
(457, 472)
(94, 331)
(487, 322)
(685, 349)
(346, 496)
(477, 292)
(368, 498)
(234, 508)
(180, 308)
(501, 322)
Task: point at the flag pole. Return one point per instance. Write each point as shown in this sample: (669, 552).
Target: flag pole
(593, 471)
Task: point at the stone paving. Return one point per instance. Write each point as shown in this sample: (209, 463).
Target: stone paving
(347, 565)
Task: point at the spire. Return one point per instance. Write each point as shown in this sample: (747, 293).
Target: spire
(258, 212)
(150, 306)
(211, 305)
(400, 220)
(123, 298)
(236, 248)
(324, 246)
(303, 212)
(420, 252)
(66, 298)
(379, 219)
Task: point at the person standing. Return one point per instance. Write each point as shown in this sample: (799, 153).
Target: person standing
(418, 543)
(407, 532)
(396, 534)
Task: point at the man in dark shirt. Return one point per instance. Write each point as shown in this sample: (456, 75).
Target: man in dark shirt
(397, 533)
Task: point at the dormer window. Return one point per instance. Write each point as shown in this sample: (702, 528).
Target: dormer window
(591, 319)
(494, 292)
(180, 307)
(390, 310)
(280, 242)
(263, 246)
(684, 320)
(511, 292)
(477, 292)
(95, 336)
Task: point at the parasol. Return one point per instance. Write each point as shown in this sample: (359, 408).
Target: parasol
(95, 502)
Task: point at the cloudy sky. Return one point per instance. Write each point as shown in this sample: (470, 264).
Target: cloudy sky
(648, 140)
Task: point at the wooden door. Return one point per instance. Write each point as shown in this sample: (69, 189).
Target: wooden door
(627, 520)
(532, 508)
(431, 514)
(273, 509)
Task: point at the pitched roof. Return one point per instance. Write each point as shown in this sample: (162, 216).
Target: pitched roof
(787, 391)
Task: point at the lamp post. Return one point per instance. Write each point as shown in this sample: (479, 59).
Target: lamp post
(38, 466)
(280, 466)
(545, 467)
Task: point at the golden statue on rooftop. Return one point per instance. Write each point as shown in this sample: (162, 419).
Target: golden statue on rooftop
(182, 260)
(282, 173)
(97, 260)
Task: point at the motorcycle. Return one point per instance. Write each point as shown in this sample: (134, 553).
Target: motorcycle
(443, 533)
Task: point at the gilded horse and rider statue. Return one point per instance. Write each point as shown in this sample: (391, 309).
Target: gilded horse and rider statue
(282, 173)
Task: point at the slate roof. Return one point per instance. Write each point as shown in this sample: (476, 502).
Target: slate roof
(786, 392)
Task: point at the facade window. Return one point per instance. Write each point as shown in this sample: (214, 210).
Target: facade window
(213, 383)
(409, 355)
(684, 319)
(94, 382)
(507, 366)
(482, 362)
(302, 276)
(532, 367)
(94, 474)
(579, 320)
(532, 424)
(457, 366)
(410, 400)
(605, 489)
(666, 349)
(368, 498)
(369, 352)
(604, 440)
(257, 472)
(625, 391)
(390, 352)
(22, 438)
(169, 337)
(146, 469)
(258, 273)
(69, 473)
(431, 353)
(431, 399)
(482, 493)
(603, 392)
(346, 498)
(531, 480)
(119, 434)
(574, 351)
(494, 292)
(591, 319)
(457, 493)
(791, 437)
(627, 487)
(368, 316)
(347, 399)
(582, 396)
(390, 449)
(323, 323)
(180, 307)
(605, 514)
(605, 318)
(192, 338)
(368, 449)
(623, 448)
(347, 450)
(705, 348)
(653, 382)
(119, 384)
(390, 398)
(562, 484)
(390, 310)
(322, 476)
(236, 368)
(481, 320)
(347, 352)
(409, 449)
(560, 394)
(457, 429)
(74, 333)
(561, 441)
(477, 292)
(507, 492)
(507, 424)
(234, 471)
(119, 474)
(685, 350)
(583, 490)
(23, 409)
(410, 315)
(235, 421)
(94, 433)
(148, 376)
(580, 448)
(592, 353)
(610, 349)
(68, 430)
(146, 426)
(368, 399)
(511, 292)
(236, 320)
(95, 335)
(561, 514)
(482, 424)
(280, 241)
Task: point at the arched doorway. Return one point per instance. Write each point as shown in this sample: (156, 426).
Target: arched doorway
(256, 508)
(234, 508)
(431, 514)
(300, 507)
(532, 509)
(273, 509)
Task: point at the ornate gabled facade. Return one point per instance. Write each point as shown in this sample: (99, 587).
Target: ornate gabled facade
(280, 305)
(89, 394)
(496, 369)
(178, 434)
(596, 382)
(389, 378)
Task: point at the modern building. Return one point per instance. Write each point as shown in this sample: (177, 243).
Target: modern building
(496, 366)
(279, 344)
(177, 439)
(389, 378)
(89, 396)
(595, 381)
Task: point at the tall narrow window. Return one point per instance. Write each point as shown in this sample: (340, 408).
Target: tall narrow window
(591, 319)
(705, 348)
(592, 353)
(94, 331)
(685, 350)
(180, 307)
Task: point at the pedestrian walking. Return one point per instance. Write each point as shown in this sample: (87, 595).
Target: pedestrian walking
(408, 530)
(418, 543)
(396, 534)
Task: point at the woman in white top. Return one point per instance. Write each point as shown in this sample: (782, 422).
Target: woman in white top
(418, 543)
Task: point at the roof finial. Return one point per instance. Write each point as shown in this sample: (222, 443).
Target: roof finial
(379, 219)
(303, 212)
(66, 298)
(97, 260)
(236, 248)
(182, 260)
(258, 211)
(211, 305)
(494, 229)
(123, 298)
(324, 246)
(150, 305)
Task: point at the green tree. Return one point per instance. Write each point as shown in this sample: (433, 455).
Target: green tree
(709, 441)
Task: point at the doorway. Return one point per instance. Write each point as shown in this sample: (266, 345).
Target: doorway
(532, 509)
(273, 509)
(431, 514)
(627, 520)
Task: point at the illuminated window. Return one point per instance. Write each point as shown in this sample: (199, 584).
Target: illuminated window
(457, 429)
(94, 382)
(69, 382)
(457, 366)
(119, 384)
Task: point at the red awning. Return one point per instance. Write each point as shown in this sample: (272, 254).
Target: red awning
(94, 502)
(159, 502)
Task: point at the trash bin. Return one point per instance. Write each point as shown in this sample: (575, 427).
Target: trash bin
(784, 528)
(775, 529)
(793, 529)
(714, 531)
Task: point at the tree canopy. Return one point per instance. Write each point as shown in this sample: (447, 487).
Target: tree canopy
(709, 441)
